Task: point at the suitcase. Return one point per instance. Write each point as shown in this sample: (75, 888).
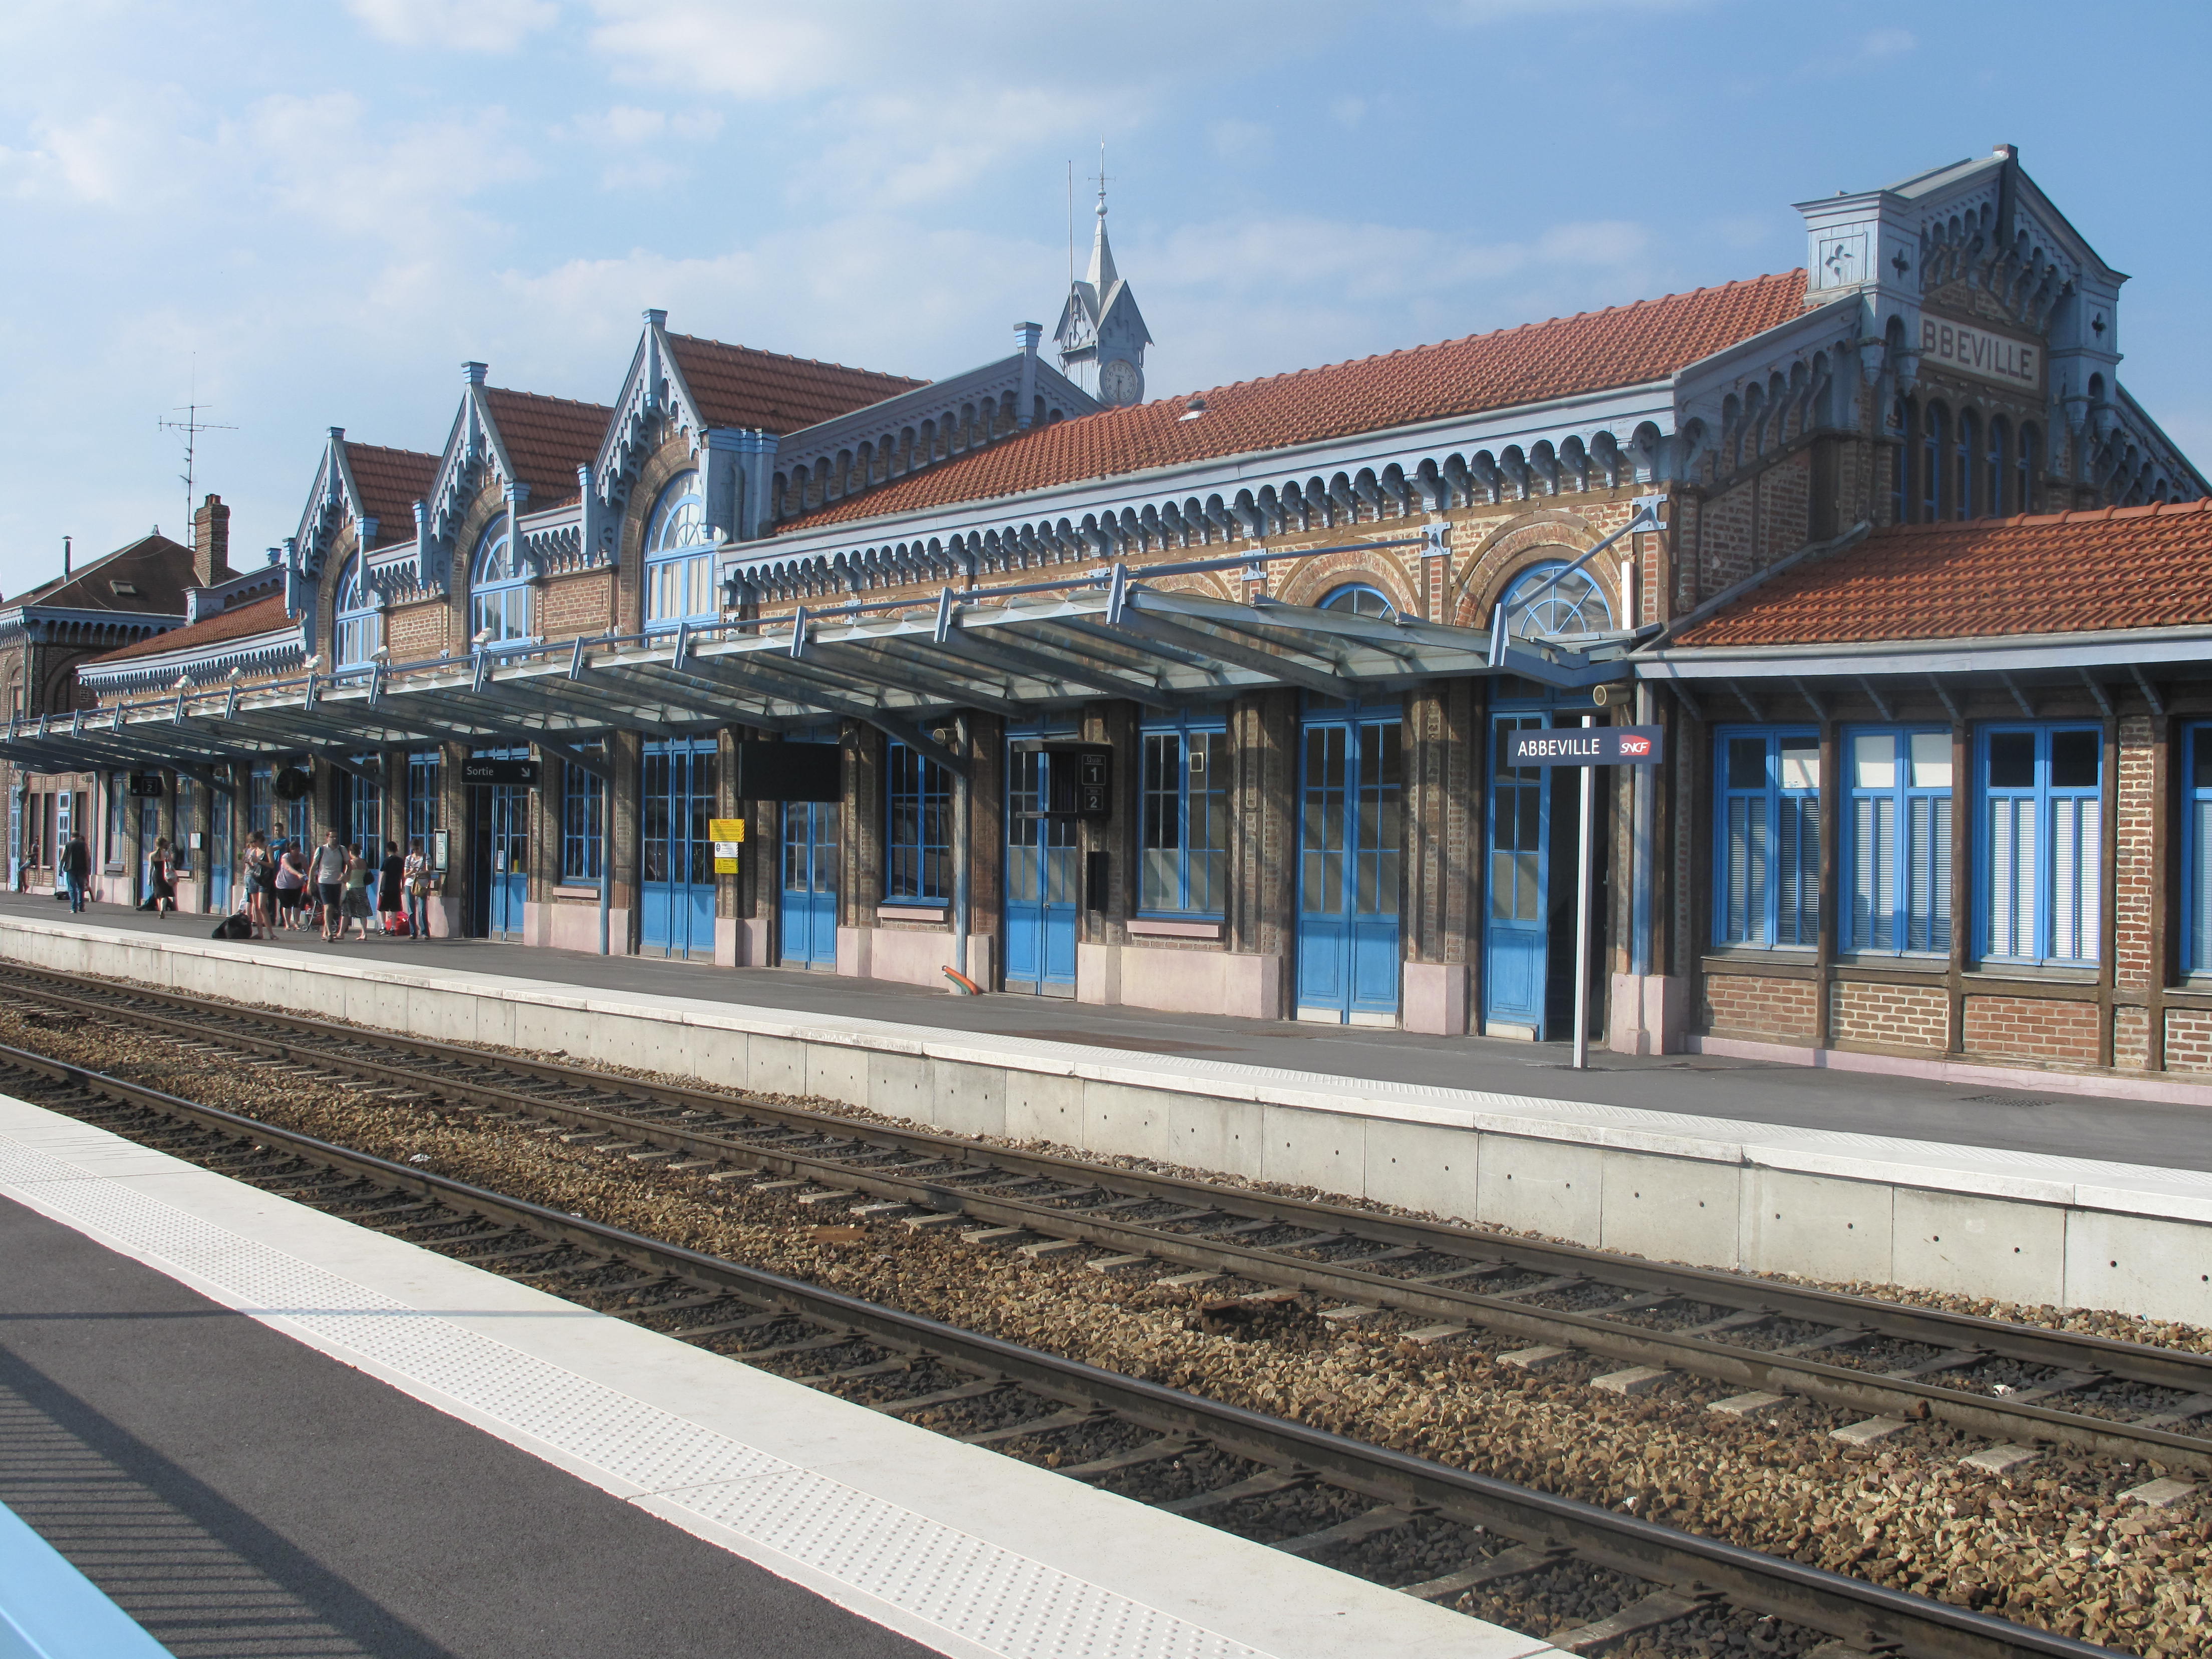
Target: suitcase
(396, 926)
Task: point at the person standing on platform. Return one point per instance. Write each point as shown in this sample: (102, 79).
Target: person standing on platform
(357, 873)
(416, 873)
(31, 861)
(258, 869)
(328, 872)
(391, 877)
(291, 886)
(76, 869)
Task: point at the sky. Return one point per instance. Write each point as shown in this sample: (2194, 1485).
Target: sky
(301, 216)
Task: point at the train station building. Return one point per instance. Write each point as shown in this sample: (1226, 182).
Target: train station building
(1203, 702)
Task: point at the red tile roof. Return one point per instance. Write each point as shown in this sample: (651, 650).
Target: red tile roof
(2058, 573)
(547, 439)
(159, 568)
(1624, 345)
(736, 386)
(391, 480)
(262, 615)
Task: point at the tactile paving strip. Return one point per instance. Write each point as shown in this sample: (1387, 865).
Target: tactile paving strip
(984, 1593)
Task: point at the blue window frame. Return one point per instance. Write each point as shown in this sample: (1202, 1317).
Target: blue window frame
(186, 817)
(679, 564)
(1897, 840)
(1573, 605)
(499, 588)
(2197, 850)
(364, 818)
(423, 811)
(1766, 858)
(918, 826)
(1184, 849)
(583, 823)
(2038, 840)
(357, 625)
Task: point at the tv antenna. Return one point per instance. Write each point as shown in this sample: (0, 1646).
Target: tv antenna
(191, 426)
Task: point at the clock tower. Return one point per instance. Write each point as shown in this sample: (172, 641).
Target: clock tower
(1101, 330)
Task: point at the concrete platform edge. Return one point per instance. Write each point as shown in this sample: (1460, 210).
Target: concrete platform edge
(1982, 1221)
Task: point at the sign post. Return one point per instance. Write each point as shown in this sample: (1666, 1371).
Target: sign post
(1588, 746)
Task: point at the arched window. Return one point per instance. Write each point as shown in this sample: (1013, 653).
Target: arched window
(499, 588)
(1995, 467)
(2031, 463)
(1969, 463)
(357, 625)
(679, 565)
(1359, 600)
(1935, 431)
(1573, 605)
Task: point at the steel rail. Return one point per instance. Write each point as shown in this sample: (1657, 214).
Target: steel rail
(1852, 1609)
(1844, 1386)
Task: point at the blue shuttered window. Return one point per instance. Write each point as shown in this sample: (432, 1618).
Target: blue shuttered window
(1766, 880)
(2041, 840)
(918, 813)
(583, 823)
(1898, 827)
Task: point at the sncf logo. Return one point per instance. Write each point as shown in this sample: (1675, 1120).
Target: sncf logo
(1635, 745)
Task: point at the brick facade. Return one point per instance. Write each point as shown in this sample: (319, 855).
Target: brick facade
(1746, 1005)
(2032, 1027)
(1890, 1016)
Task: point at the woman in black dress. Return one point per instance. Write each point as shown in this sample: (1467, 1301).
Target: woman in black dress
(391, 883)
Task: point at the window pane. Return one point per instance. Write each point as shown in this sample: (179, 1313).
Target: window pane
(1874, 760)
(1931, 760)
(2200, 767)
(1746, 764)
(1801, 762)
(2074, 757)
(2012, 760)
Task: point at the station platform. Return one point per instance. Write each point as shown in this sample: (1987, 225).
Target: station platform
(261, 1429)
(2070, 1198)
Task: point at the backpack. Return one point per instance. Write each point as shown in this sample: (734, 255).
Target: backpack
(234, 926)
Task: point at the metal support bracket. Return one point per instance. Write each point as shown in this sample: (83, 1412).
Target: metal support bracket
(2018, 695)
(2150, 694)
(1874, 697)
(1812, 698)
(1958, 715)
(799, 632)
(2104, 703)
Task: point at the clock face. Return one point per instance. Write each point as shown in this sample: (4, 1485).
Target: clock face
(1119, 382)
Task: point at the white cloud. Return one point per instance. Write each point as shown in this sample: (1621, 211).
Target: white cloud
(1888, 43)
(1348, 112)
(321, 158)
(456, 25)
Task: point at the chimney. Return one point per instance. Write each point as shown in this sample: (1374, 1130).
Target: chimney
(210, 543)
(1025, 399)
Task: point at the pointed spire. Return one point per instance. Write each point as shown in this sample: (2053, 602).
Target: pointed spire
(1102, 275)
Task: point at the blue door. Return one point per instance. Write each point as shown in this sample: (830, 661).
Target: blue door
(1517, 928)
(1349, 843)
(810, 883)
(1043, 891)
(677, 913)
(501, 811)
(222, 804)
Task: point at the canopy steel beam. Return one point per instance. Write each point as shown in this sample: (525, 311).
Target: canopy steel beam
(1033, 662)
(889, 667)
(1252, 658)
(801, 687)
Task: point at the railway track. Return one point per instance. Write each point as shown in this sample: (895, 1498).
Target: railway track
(1303, 1490)
(2020, 1385)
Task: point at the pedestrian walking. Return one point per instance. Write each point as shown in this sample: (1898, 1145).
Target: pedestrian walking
(328, 872)
(416, 873)
(77, 870)
(160, 880)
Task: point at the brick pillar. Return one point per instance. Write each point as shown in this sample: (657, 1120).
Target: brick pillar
(860, 850)
(1263, 849)
(1443, 832)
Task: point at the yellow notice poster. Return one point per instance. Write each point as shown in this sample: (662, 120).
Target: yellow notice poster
(726, 829)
